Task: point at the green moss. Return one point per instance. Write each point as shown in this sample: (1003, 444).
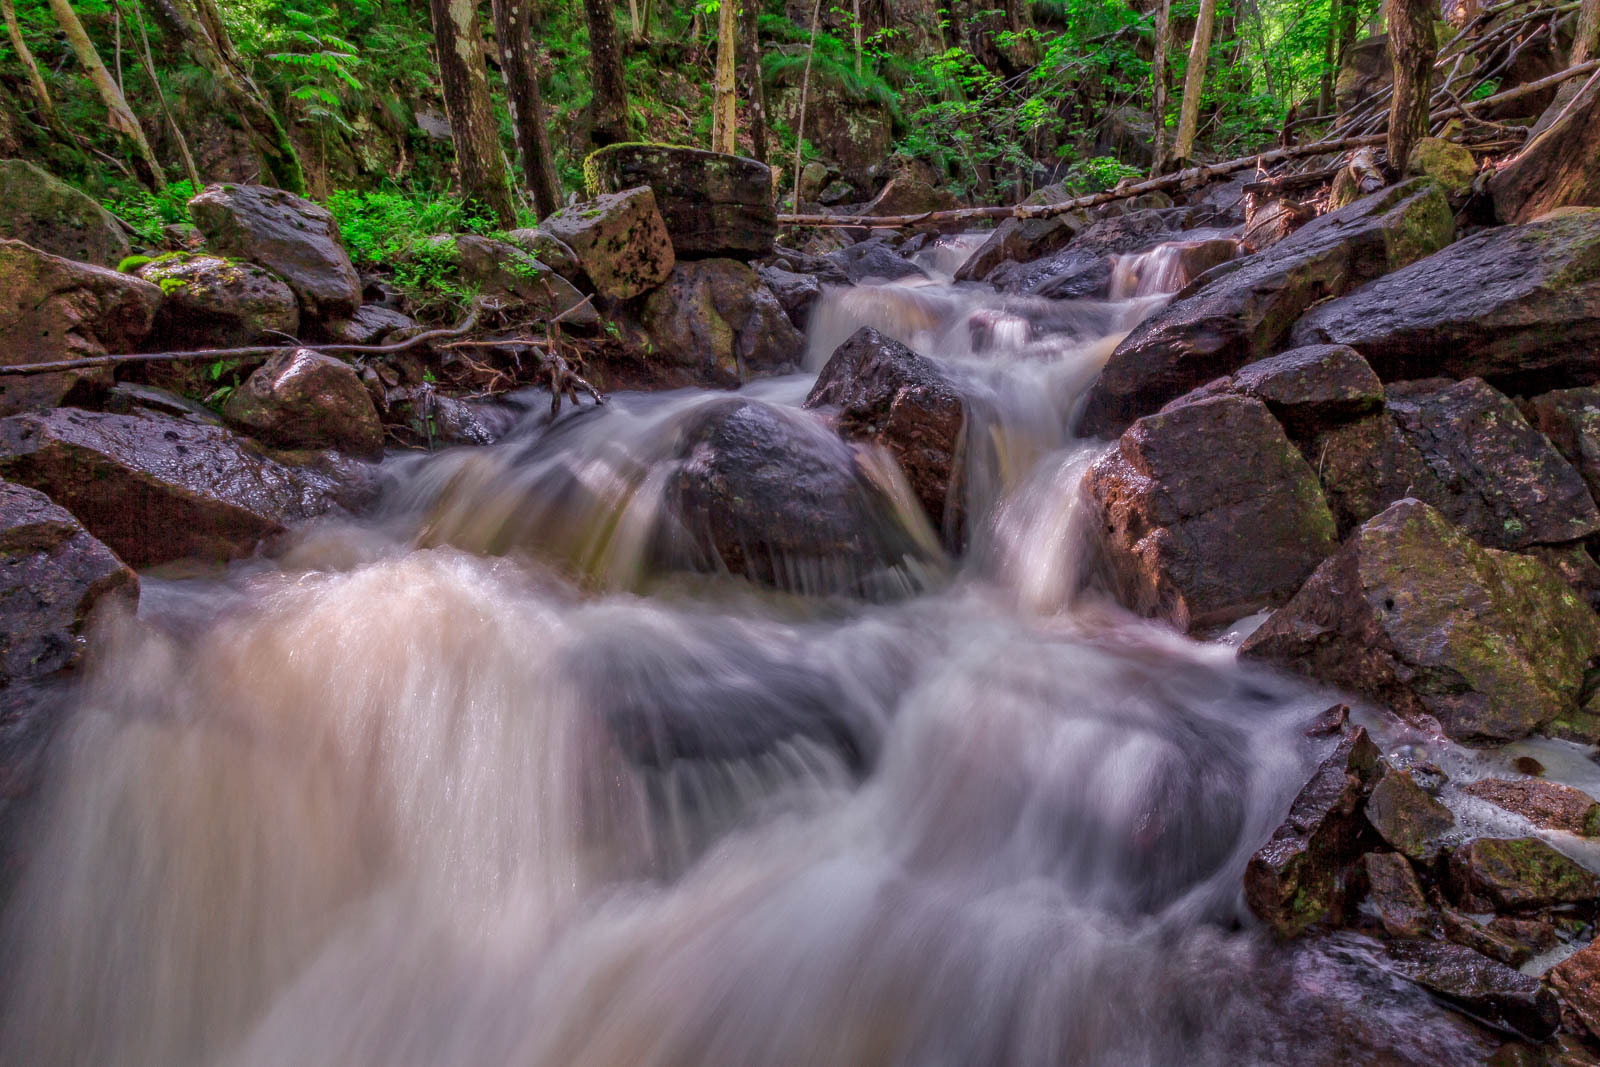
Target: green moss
(130, 264)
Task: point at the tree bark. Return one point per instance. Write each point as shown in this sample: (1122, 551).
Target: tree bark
(755, 90)
(459, 37)
(1412, 50)
(1330, 59)
(513, 28)
(805, 88)
(1158, 75)
(856, 19)
(148, 62)
(724, 114)
(121, 116)
(609, 103)
(1586, 36)
(1194, 81)
(41, 91)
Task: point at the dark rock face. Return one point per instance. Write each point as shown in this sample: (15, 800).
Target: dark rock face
(502, 270)
(1517, 874)
(371, 324)
(713, 204)
(289, 236)
(1209, 513)
(1082, 268)
(52, 216)
(1024, 240)
(1240, 313)
(874, 260)
(1491, 991)
(1396, 896)
(1576, 981)
(52, 575)
(1570, 418)
(1465, 930)
(1559, 169)
(1550, 805)
(795, 292)
(1415, 614)
(619, 239)
(715, 316)
(1411, 821)
(303, 399)
(779, 499)
(1298, 879)
(1465, 449)
(1307, 389)
(54, 309)
(886, 393)
(1519, 306)
(210, 302)
(155, 488)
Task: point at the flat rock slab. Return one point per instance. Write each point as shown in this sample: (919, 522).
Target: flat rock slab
(1488, 989)
(1546, 804)
(1517, 874)
(1308, 389)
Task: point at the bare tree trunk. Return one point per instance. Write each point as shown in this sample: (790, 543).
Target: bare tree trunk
(724, 114)
(805, 88)
(148, 62)
(1194, 81)
(1158, 75)
(633, 20)
(755, 91)
(649, 9)
(856, 17)
(41, 91)
(1330, 59)
(1412, 50)
(513, 30)
(1586, 36)
(122, 118)
(459, 37)
(609, 103)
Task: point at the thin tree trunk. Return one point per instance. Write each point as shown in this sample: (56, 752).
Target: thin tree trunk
(121, 115)
(1194, 81)
(805, 88)
(148, 62)
(459, 37)
(610, 88)
(1586, 37)
(649, 9)
(754, 89)
(633, 20)
(1330, 57)
(724, 113)
(513, 30)
(41, 91)
(1412, 50)
(856, 16)
(1158, 74)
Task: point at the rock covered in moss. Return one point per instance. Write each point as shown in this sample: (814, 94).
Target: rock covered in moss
(619, 239)
(42, 210)
(303, 399)
(1570, 418)
(1394, 893)
(547, 248)
(211, 302)
(1415, 614)
(1449, 164)
(1412, 822)
(713, 204)
(1549, 805)
(504, 272)
(716, 318)
(1517, 874)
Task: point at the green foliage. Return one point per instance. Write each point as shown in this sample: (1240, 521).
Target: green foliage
(410, 235)
(148, 212)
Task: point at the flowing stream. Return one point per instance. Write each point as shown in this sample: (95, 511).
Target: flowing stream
(480, 782)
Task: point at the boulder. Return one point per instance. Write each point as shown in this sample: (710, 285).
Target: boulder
(40, 209)
(1412, 822)
(1576, 981)
(156, 488)
(852, 134)
(1242, 311)
(1209, 513)
(1519, 306)
(1308, 390)
(1465, 449)
(1395, 895)
(1449, 164)
(1490, 991)
(795, 292)
(1082, 268)
(715, 317)
(1570, 418)
(1517, 874)
(1463, 929)
(777, 498)
(55, 309)
(1298, 879)
(52, 576)
(370, 325)
(619, 239)
(1023, 240)
(1558, 167)
(289, 236)
(210, 302)
(874, 261)
(713, 204)
(505, 272)
(888, 394)
(1548, 805)
(303, 399)
(909, 194)
(1413, 613)
(549, 250)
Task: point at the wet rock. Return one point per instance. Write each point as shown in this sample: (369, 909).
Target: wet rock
(156, 488)
(909, 194)
(289, 236)
(303, 399)
(55, 309)
(1489, 990)
(1241, 313)
(1412, 822)
(1517, 874)
(127, 398)
(1209, 513)
(715, 317)
(1549, 805)
(1570, 418)
(1535, 935)
(52, 576)
(1576, 981)
(1083, 268)
(795, 292)
(1519, 306)
(1576, 567)
(874, 261)
(1557, 169)
(1298, 879)
(507, 273)
(1395, 895)
(1416, 615)
(549, 250)
(210, 302)
(779, 499)
(887, 394)
(370, 325)
(1467, 931)
(1449, 164)
(713, 204)
(40, 209)
(1024, 240)
(434, 421)
(822, 268)
(1307, 389)
(620, 240)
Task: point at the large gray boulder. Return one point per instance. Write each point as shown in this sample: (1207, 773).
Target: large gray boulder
(619, 239)
(47, 213)
(715, 205)
(303, 399)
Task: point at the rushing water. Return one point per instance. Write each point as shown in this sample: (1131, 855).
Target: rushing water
(477, 783)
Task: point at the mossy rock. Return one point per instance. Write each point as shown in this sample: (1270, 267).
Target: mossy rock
(713, 204)
(46, 212)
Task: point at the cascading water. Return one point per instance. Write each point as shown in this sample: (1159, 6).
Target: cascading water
(492, 781)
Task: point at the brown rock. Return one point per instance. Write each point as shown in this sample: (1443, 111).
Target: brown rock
(716, 318)
(1489, 990)
(1545, 804)
(52, 216)
(1394, 893)
(1557, 168)
(619, 239)
(1308, 390)
(303, 399)
(1465, 930)
(210, 302)
(1576, 981)
(713, 204)
(1570, 418)
(1405, 816)
(1517, 874)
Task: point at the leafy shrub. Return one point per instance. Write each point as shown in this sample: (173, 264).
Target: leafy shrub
(148, 212)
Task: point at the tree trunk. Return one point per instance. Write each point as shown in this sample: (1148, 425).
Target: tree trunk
(1586, 37)
(465, 82)
(121, 116)
(41, 91)
(856, 18)
(1158, 75)
(724, 115)
(755, 91)
(148, 61)
(513, 29)
(1194, 81)
(1412, 50)
(805, 88)
(609, 103)
(1330, 59)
